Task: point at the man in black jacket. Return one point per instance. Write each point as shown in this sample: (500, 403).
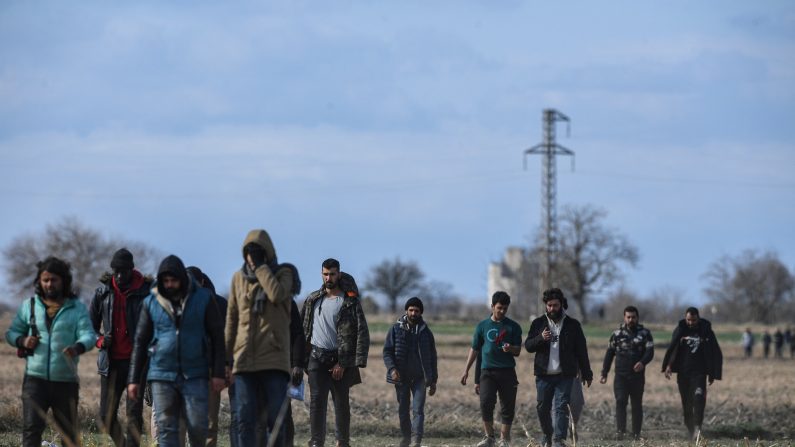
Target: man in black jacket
(633, 348)
(560, 351)
(694, 354)
(114, 314)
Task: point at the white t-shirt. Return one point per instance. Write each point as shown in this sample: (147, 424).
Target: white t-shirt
(324, 330)
(553, 367)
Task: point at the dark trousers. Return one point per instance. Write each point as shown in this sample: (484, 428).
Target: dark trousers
(38, 396)
(626, 388)
(320, 383)
(260, 393)
(111, 388)
(693, 391)
(502, 382)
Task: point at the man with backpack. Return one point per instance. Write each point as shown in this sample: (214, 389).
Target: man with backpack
(337, 342)
(114, 315)
(50, 331)
(258, 336)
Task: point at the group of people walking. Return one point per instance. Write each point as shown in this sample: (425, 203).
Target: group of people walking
(777, 340)
(171, 341)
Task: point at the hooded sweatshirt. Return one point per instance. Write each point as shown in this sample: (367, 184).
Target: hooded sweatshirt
(260, 341)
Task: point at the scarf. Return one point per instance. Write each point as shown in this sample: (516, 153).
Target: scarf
(260, 298)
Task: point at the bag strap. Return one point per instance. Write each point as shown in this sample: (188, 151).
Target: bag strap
(34, 330)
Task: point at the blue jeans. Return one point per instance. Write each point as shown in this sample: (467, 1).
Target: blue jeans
(182, 398)
(411, 394)
(555, 387)
(256, 392)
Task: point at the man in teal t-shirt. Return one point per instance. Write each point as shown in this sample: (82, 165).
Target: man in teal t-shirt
(497, 340)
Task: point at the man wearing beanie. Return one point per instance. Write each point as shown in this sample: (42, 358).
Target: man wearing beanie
(114, 314)
(176, 319)
(410, 360)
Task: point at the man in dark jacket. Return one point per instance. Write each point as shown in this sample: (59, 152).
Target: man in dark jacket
(338, 341)
(410, 360)
(766, 340)
(560, 351)
(114, 314)
(694, 354)
(633, 348)
(778, 343)
(175, 321)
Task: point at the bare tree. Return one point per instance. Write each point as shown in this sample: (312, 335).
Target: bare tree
(394, 279)
(589, 254)
(86, 249)
(439, 299)
(751, 287)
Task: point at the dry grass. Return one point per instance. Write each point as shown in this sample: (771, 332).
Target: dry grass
(755, 399)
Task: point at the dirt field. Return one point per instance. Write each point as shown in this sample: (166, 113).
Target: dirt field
(756, 400)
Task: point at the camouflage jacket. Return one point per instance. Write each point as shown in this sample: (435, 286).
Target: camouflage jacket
(628, 347)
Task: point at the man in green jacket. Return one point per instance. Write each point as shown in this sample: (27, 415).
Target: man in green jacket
(338, 339)
(51, 330)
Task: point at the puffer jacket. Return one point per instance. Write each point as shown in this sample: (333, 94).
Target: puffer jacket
(397, 349)
(69, 326)
(260, 342)
(186, 339)
(101, 313)
(353, 335)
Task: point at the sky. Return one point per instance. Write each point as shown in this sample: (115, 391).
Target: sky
(370, 130)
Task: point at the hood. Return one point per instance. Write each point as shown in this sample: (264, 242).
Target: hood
(173, 266)
(403, 321)
(261, 238)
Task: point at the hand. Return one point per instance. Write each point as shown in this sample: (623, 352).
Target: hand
(297, 374)
(432, 389)
(464, 378)
(218, 384)
(477, 389)
(337, 371)
(230, 378)
(30, 342)
(106, 342)
(638, 367)
(395, 375)
(70, 352)
(668, 372)
(587, 383)
(603, 380)
(132, 391)
(547, 334)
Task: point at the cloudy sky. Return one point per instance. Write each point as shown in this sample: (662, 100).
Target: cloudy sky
(368, 130)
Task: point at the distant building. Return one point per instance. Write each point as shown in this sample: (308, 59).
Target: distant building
(517, 275)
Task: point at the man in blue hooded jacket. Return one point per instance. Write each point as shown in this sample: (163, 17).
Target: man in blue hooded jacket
(410, 360)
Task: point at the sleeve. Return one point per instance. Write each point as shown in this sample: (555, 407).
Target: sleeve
(230, 329)
(648, 353)
(516, 335)
(85, 331)
(95, 311)
(296, 337)
(477, 339)
(716, 366)
(582, 355)
(610, 353)
(434, 360)
(535, 341)
(362, 337)
(670, 353)
(214, 327)
(19, 326)
(389, 351)
(143, 336)
(478, 367)
(276, 286)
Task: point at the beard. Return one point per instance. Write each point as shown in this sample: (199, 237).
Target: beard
(554, 316)
(330, 285)
(414, 320)
(52, 294)
(170, 292)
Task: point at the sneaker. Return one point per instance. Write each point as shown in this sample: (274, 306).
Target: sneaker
(619, 436)
(696, 432)
(558, 443)
(636, 436)
(488, 441)
(503, 443)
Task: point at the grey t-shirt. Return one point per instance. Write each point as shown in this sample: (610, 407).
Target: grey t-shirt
(324, 331)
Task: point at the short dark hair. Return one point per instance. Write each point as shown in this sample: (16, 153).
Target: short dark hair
(553, 294)
(500, 297)
(632, 309)
(692, 311)
(331, 263)
(58, 267)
